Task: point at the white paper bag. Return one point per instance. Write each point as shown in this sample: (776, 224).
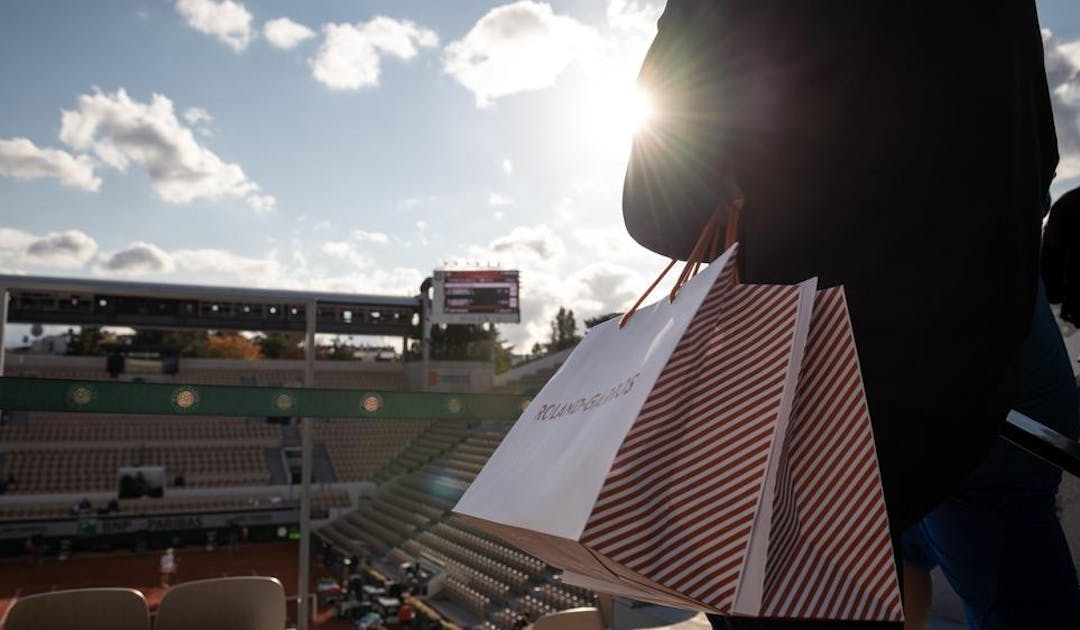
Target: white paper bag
(648, 459)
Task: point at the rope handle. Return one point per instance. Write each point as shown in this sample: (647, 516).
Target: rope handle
(705, 251)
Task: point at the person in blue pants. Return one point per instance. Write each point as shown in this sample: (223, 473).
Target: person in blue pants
(998, 540)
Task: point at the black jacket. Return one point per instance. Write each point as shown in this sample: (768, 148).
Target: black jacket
(901, 149)
(1061, 256)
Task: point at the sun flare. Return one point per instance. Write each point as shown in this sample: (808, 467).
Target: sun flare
(613, 114)
(637, 110)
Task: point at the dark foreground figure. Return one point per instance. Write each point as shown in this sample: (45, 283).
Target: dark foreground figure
(903, 150)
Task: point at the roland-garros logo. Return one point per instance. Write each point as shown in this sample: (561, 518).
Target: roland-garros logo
(565, 409)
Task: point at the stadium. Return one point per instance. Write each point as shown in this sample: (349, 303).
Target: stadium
(230, 469)
(335, 477)
(290, 297)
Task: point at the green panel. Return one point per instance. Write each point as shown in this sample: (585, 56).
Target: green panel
(35, 394)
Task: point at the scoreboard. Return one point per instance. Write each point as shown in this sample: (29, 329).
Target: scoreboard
(475, 296)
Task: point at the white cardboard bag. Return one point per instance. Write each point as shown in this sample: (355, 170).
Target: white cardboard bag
(621, 469)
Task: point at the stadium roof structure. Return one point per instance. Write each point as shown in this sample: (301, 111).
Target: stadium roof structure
(76, 301)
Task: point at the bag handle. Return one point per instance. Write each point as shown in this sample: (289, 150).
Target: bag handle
(705, 251)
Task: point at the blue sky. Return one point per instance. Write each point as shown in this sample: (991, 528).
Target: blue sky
(354, 145)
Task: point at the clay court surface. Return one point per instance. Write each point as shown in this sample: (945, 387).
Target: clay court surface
(21, 577)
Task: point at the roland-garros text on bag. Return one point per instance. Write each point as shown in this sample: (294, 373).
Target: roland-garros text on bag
(682, 459)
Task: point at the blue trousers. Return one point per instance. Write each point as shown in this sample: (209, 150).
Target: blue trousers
(999, 541)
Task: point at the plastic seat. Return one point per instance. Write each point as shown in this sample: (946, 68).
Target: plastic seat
(572, 619)
(231, 603)
(82, 609)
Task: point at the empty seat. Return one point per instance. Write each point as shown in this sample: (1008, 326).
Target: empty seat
(231, 603)
(572, 619)
(82, 609)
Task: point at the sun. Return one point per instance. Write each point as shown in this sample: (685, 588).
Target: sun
(637, 110)
(612, 113)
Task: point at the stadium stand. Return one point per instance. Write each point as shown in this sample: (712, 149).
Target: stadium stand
(412, 473)
(53, 428)
(488, 584)
(387, 376)
(46, 453)
(359, 449)
(320, 499)
(90, 469)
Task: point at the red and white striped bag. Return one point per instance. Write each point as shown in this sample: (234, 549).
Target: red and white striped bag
(713, 454)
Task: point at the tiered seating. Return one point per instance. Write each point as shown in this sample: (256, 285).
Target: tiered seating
(413, 502)
(502, 620)
(535, 607)
(562, 596)
(74, 372)
(428, 446)
(65, 470)
(205, 376)
(319, 499)
(480, 562)
(212, 466)
(549, 598)
(360, 448)
(471, 598)
(94, 469)
(482, 573)
(478, 580)
(456, 531)
(369, 527)
(394, 380)
(73, 427)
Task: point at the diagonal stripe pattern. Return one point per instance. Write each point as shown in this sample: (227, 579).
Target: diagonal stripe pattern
(679, 502)
(830, 555)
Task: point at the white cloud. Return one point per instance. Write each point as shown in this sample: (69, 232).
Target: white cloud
(197, 116)
(538, 241)
(285, 34)
(137, 259)
(517, 47)
(507, 166)
(375, 281)
(351, 54)
(631, 15)
(346, 251)
(67, 249)
(260, 271)
(495, 199)
(1063, 76)
(337, 249)
(12, 239)
(121, 131)
(370, 237)
(22, 159)
(227, 21)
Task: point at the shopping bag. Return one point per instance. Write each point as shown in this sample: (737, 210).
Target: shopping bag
(829, 553)
(650, 461)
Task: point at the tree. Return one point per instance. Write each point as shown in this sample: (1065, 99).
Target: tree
(504, 355)
(563, 331)
(184, 343)
(280, 345)
(600, 319)
(231, 346)
(86, 342)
